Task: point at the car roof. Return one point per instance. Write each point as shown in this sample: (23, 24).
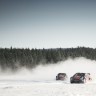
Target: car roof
(61, 73)
(80, 74)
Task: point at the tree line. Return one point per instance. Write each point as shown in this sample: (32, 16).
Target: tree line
(15, 58)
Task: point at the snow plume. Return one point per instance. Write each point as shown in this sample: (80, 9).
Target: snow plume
(49, 72)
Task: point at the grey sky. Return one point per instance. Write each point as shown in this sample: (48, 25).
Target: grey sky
(47, 23)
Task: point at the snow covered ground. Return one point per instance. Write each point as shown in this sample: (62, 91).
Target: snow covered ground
(28, 88)
(41, 81)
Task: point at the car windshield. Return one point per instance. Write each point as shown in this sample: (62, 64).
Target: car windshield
(79, 74)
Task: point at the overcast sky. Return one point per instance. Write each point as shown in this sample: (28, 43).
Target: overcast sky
(47, 23)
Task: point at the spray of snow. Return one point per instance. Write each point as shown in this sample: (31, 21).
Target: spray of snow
(49, 72)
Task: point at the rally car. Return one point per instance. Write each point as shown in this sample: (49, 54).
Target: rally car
(61, 76)
(80, 78)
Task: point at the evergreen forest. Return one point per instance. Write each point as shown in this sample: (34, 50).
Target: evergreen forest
(15, 58)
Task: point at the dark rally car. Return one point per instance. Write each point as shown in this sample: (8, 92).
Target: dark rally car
(78, 78)
(61, 76)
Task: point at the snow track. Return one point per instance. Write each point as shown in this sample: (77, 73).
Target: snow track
(41, 81)
(46, 89)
